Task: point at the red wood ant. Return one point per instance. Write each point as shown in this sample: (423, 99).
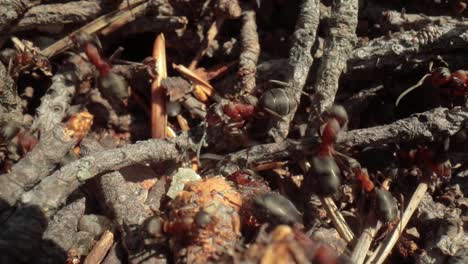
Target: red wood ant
(113, 86)
(434, 158)
(385, 205)
(276, 209)
(324, 165)
(440, 81)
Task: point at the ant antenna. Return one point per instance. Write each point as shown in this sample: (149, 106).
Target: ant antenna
(284, 84)
(407, 91)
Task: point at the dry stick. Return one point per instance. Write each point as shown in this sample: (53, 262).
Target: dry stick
(158, 93)
(53, 190)
(337, 218)
(91, 28)
(250, 51)
(363, 244)
(99, 251)
(338, 45)
(210, 36)
(125, 18)
(300, 60)
(384, 249)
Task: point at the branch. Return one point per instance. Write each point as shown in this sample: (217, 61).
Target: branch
(36, 165)
(11, 11)
(53, 190)
(378, 69)
(10, 102)
(427, 125)
(300, 60)
(59, 14)
(338, 45)
(395, 21)
(62, 230)
(430, 40)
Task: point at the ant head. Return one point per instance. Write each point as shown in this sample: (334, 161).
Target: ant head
(202, 218)
(440, 76)
(339, 113)
(83, 38)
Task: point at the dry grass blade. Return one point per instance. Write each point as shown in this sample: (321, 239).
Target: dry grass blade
(207, 88)
(362, 245)
(99, 251)
(340, 224)
(387, 245)
(158, 93)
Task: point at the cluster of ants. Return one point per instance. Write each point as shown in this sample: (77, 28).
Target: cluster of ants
(326, 165)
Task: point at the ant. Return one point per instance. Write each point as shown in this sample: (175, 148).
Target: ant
(26, 58)
(386, 208)
(324, 166)
(112, 86)
(437, 85)
(434, 158)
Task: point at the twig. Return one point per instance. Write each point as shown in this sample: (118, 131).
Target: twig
(99, 251)
(55, 103)
(36, 165)
(338, 46)
(386, 246)
(250, 51)
(364, 242)
(58, 14)
(300, 60)
(124, 18)
(340, 224)
(53, 190)
(427, 125)
(158, 92)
